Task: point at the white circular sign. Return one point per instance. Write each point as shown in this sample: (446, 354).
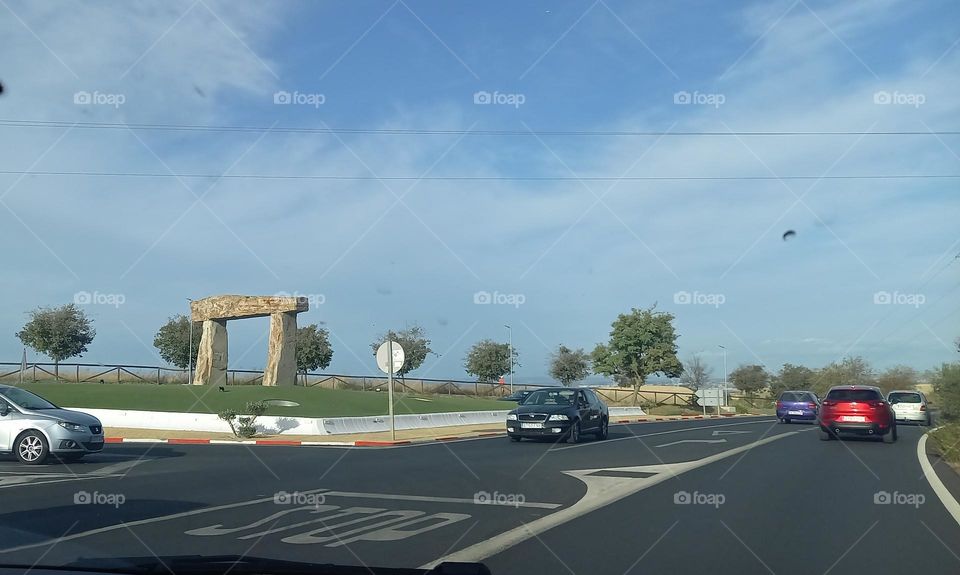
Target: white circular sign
(382, 357)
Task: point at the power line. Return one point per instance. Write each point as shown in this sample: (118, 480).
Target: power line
(457, 132)
(477, 178)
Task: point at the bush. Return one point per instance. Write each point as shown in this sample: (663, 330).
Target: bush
(244, 426)
(946, 384)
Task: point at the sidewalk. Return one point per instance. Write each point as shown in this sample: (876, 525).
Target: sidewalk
(407, 436)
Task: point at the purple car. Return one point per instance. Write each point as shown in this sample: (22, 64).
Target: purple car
(801, 405)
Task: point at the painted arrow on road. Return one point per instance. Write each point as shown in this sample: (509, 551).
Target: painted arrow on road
(724, 432)
(693, 441)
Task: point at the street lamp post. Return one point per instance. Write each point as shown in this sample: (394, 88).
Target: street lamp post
(724, 376)
(510, 355)
(190, 349)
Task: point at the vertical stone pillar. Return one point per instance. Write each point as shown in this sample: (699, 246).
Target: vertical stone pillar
(212, 355)
(282, 353)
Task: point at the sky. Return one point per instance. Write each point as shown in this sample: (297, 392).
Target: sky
(560, 112)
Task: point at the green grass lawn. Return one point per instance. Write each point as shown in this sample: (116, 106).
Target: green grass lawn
(314, 402)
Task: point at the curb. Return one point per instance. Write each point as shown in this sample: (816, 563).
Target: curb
(374, 443)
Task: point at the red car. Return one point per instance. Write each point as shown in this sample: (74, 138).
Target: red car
(857, 410)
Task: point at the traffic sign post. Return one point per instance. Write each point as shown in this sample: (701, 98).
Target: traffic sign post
(710, 396)
(390, 359)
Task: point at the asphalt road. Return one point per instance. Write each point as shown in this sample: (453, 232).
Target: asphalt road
(735, 495)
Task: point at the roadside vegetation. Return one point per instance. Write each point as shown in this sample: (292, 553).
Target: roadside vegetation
(945, 441)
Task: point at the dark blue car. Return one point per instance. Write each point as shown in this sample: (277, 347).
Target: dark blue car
(799, 405)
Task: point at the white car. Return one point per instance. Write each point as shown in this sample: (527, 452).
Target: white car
(909, 406)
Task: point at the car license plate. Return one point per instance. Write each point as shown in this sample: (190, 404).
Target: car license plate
(853, 418)
(794, 413)
(531, 425)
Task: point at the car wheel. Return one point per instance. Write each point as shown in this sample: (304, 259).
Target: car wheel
(604, 429)
(891, 436)
(31, 448)
(516, 438)
(825, 435)
(574, 435)
(928, 422)
(787, 421)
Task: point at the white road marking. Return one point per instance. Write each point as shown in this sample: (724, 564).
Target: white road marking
(684, 430)
(148, 521)
(471, 501)
(692, 441)
(953, 508)
(727, 432)
(601, 491)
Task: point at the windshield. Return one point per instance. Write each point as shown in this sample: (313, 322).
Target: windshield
(551, 397)
(25, 399)
(905, 398)
(556, 286)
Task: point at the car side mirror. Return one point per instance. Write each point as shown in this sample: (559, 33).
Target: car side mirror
(4, 408)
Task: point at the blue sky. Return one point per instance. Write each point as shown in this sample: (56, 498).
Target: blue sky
(377, 254)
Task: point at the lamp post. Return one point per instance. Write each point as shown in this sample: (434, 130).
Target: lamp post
(510, 355)
(724, 376)
(190, 349)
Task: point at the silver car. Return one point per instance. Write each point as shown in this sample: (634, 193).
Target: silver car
(32, 428)
(910, 406)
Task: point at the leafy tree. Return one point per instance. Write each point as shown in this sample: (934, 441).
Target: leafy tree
(244, 426)
(569, 366)
(59, 333)
(791, 377)
(696, 373)
(642, 343)
(750, 379)
(849, 371)
(415, 346)
(946, 383)
(173, 341)
(897, 377)
(489, 360)
(313, 349)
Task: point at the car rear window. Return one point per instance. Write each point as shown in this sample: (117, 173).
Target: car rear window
(854, 395)
(904, 398)
(791, 396)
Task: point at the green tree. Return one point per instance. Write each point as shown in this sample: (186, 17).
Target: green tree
(313, 349)
(750, 379)
(413, 340)
(173, 341)
(569, 366)
(696, 373)
(849, 371)
(489, 360)
(642, 343)
(791, 377)
(59, 333)
(897, 377)
(946, 384)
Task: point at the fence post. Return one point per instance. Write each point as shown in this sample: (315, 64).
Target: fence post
(118, 374)
(78, 373)
(34, 373)
(158, 376)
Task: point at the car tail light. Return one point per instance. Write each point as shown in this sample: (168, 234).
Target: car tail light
(923, 407)
(875, 404)
(812, 405)
(779, 405)
(828, 403)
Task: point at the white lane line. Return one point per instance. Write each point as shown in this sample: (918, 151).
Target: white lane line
(692, 441)
(601, 492)
(684, 430)
(471, 501)
(953, 508)
(146, 522)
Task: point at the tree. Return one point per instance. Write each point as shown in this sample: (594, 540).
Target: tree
(173, 341)
(850, 371)
(59, 333)
(791, 377)
(696, 373)
(897, 377)
(642, 343)
(569, 366)
(415, 346)
(946, 384)
(489, 360)
(750, 379)
(313, 349)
